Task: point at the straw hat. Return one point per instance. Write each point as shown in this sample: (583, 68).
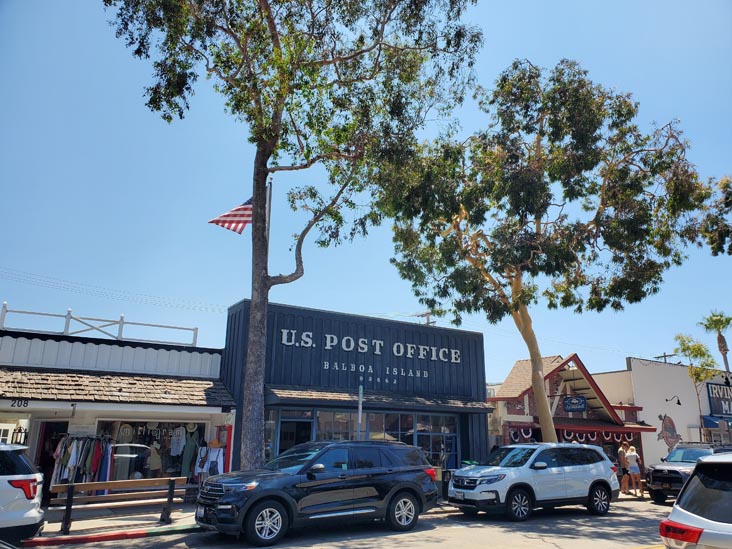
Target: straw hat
(191, 427)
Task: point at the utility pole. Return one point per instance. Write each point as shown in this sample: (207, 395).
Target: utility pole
(426, 316)
(664, 356)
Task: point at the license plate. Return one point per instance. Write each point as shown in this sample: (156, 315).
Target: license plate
(459, 495)
(199, 512)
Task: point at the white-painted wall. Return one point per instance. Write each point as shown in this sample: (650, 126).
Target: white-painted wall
(616, 386)
(653, 382)
(30, 352)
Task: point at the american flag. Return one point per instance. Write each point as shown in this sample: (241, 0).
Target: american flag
(236, 219)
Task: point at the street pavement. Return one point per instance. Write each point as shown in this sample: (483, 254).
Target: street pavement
(631, 523)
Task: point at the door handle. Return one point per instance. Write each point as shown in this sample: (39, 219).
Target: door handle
(342, 477)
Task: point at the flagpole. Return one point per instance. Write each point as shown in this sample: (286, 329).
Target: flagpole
(269, 207)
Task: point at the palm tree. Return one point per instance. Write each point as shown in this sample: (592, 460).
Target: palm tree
(718, 322)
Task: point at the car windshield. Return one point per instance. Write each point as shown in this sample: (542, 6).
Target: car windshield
(687, 455)
(507, 456)
(293, 459)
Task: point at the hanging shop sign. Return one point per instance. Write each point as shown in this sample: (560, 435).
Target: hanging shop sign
(720, 399)
(574, 403)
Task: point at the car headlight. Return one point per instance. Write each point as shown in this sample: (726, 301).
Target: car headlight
(240, 487)
(491, 479)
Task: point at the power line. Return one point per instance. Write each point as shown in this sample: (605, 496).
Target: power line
(44, 281)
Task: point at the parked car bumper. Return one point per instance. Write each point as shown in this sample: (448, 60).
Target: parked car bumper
(23, 531)
(209, 518)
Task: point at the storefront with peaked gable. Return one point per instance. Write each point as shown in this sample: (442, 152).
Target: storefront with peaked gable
(581, 411)
(418, 384)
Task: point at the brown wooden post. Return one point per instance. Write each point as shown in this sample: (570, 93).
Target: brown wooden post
(66, 522)
(165, 515)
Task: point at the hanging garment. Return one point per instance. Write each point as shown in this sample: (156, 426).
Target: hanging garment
(189, 452)
(178, 441)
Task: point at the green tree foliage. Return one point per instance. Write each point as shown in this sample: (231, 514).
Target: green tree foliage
(702, 367)
(561, 198)
(717, 227)
(717, 323)
(316, 82)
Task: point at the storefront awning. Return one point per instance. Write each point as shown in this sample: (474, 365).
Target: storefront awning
(371, 401)
(581, 424)
(712, 422)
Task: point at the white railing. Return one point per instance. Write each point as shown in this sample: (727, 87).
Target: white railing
(98, 326)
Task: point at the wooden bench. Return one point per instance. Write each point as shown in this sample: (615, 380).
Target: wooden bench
(120, 493)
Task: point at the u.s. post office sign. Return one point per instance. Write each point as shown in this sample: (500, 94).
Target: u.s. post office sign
(323, 349)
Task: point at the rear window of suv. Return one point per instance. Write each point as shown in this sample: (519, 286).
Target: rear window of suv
(708, 493)
(15, 462)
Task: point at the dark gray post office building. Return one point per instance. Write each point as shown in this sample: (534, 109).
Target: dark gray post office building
(419, 384)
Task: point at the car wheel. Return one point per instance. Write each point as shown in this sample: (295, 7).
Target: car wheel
(403, 512)
(266, 523)
(518, 505)
(598, 502)
(657, 497)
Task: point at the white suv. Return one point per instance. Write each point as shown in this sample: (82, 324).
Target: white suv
(518, 478)
(21, 515)
(702, 515)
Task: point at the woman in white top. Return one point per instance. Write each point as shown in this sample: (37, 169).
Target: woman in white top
(634, 462)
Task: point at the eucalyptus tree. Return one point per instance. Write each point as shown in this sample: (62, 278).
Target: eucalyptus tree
(316, 82)
(717, 226)
(717, 323)
(563, 198)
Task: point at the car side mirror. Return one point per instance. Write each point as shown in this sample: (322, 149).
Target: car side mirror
(539, 466)
(663, 459)
(317, 468)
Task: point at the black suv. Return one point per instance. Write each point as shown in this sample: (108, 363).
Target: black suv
(317, 482)
(666, 479)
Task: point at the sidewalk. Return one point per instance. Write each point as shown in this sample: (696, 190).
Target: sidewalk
(116, 524)
(113, 524)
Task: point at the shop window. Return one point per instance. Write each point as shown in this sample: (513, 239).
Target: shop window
(152, 449)
(297, 414)
(270, 425)
(6, 431)
(376, 427)
(337, 426)
(391, 423)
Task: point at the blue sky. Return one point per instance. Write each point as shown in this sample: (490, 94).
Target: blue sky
(105, 206)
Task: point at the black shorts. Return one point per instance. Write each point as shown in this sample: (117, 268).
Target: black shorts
(624, 471)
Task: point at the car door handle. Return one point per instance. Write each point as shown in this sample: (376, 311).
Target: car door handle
(343, 477)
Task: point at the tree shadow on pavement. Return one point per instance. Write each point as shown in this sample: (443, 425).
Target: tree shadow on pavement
(635, 524)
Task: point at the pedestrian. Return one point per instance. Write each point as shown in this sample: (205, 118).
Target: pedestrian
(634, 462)
(623, 464)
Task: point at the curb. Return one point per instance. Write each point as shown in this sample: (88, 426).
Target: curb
(110, 536)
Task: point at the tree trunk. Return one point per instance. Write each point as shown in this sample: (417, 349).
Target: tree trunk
(252, 420)
(524, 325)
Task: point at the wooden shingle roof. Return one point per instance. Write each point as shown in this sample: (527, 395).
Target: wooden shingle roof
(33, 384)
(519, 379)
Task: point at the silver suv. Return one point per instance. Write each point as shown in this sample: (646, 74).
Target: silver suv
(701, 516)
(516, 479)
(21, 485)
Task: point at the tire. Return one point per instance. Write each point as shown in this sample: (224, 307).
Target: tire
(266, 523)
(403, 512)
(598, 502)
(519, 505)
(657, 497)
